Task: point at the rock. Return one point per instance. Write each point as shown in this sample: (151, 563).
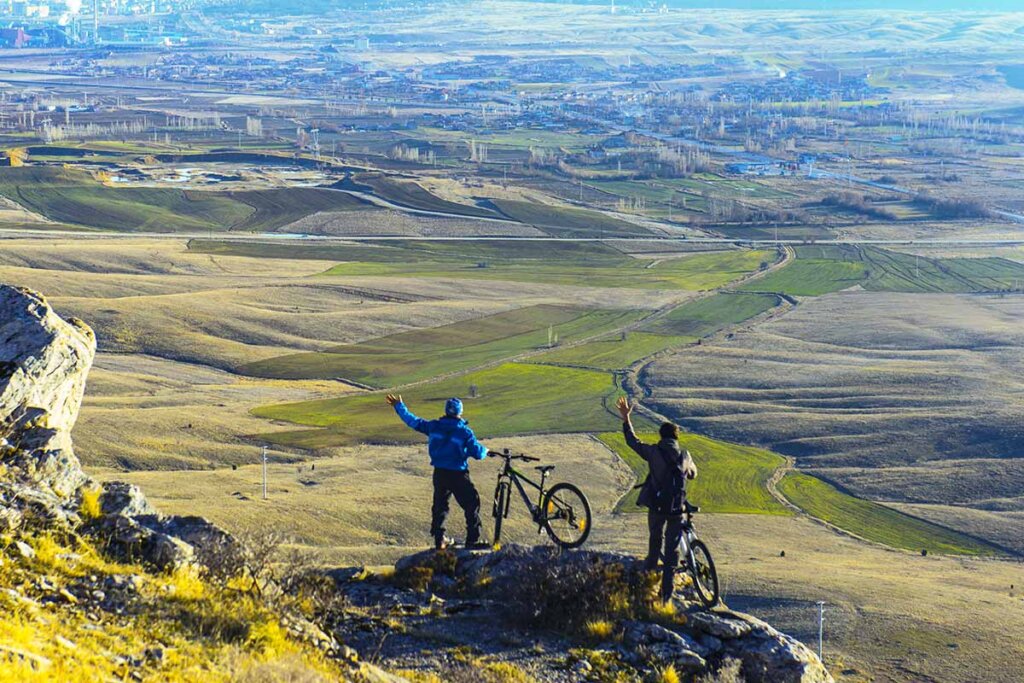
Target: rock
(65, 643)
(10, 519)
(128, 538)
(34, 661)
(44, 362)
(25, 550)
(772, 657)
(666, 645)
(119, 498)
(582, 667)
(718, 626)
(683, 659)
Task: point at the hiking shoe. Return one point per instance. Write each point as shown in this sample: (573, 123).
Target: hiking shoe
(443, 542)
(479, 545)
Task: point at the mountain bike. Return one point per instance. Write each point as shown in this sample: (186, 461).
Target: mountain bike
(562, 511)
(698, 560)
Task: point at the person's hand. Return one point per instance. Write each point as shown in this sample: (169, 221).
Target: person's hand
(393, 400)
(624, 408)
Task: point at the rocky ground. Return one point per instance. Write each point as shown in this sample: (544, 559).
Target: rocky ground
(554, 616)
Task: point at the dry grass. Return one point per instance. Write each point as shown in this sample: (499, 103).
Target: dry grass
(372, 504)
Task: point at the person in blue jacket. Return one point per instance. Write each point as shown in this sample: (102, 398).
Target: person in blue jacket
(451, 444)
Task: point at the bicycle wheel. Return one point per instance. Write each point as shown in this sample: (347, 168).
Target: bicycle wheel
(705, 578)
(500, 509)
(567, 516)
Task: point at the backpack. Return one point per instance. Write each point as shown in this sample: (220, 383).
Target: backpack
(665, 497)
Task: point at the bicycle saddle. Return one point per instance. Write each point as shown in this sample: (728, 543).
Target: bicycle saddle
(544, 469)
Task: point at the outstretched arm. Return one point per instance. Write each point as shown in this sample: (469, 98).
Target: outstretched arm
(689, 466)
(625, 409)
(413, 422)
(473, 448)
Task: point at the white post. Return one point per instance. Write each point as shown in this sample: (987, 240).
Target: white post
(264, 474)
(821, 627)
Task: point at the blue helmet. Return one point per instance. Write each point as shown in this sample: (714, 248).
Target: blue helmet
(453, 407)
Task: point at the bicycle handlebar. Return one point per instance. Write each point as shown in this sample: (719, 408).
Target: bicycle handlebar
(508, 455)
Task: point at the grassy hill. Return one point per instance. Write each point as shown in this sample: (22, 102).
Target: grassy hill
(708, 315)
(560, 221)
(420, 354)
(697, 272)
(731, 478)
(611, 353)
(513, 399)
(191, 629)
(72, 196)
(876, 522)
(275, 208)
(685, 324)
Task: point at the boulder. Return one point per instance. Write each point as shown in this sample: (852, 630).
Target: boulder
(119, 498)
(44, 361)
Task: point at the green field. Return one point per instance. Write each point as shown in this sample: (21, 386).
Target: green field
(560, 221)
(685, 324)
(421, 354)
(829, 268)
(708, 315)
(810, 277)
(468, 253)
(512, 399)
(697, 272)
(730, 478)
(875, 522)
(612, 353)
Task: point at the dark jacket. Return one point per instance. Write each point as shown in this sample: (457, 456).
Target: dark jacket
(450, 441)
(661, 459)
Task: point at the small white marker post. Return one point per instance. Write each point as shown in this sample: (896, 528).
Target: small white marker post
(821, 627)
(264, 473)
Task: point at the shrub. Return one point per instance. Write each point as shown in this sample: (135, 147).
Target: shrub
(90, 507)
(599, 630)
(419, 576)
(668, 674)
(568, 592)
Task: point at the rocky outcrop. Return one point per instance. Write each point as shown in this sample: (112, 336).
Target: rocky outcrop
(44, 364)
(696, 642)
(44, 361)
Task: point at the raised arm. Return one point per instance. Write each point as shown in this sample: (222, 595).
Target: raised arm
(689, 466)
(625, 409)
(413, 422)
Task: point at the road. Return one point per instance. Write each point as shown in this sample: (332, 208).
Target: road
(42, 233)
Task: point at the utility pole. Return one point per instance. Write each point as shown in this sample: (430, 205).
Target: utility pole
(821, 627)
(264, 484)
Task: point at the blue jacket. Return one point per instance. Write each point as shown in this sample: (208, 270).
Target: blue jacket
(450, 441)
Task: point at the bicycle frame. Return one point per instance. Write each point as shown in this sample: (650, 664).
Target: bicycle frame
(510, 473)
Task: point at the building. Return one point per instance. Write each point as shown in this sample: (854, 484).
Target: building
(14, 37)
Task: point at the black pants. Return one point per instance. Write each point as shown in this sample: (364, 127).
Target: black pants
(446, 484)
(666, 531)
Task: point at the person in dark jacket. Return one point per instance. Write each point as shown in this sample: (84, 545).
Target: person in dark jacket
(451, 444)
(663, 493)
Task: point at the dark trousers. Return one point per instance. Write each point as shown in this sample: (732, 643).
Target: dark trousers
(666, 532)
(446, 484)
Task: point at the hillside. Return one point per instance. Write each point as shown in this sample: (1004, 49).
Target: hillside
(98, 584)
